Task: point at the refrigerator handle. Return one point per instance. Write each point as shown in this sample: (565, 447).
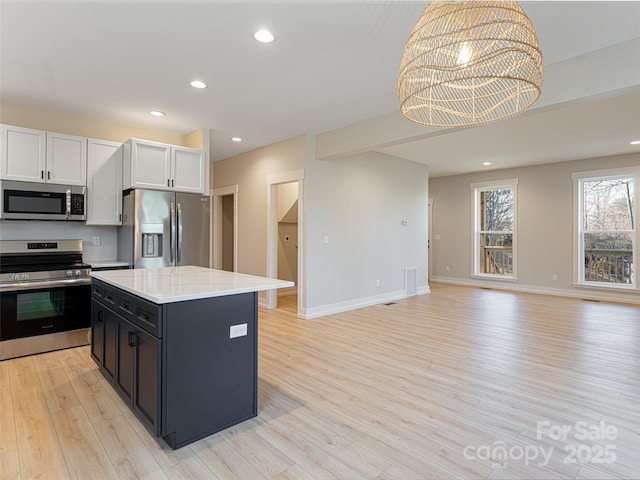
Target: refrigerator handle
(179, 222)
(172, 233)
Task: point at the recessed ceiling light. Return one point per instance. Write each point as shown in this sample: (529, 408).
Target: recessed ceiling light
(236, 139)
(264, 36)
(198, 84)
(157, 113)
(635, 142)
(486, 164)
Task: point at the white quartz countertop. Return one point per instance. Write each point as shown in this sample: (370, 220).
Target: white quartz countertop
(177, 284)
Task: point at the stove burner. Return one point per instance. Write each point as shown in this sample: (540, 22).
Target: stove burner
(25, 263)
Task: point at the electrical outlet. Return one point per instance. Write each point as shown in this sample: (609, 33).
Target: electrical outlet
(447, 268)
(97, 241)
(554, 277)
(238, 330)
(377, 283)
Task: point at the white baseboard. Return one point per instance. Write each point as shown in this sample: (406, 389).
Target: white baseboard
(582, 293)
(315, 312)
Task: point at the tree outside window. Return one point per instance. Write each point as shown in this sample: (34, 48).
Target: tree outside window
(494, 228)
(607, 230)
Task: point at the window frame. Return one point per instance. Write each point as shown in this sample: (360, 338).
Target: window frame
(476, 189)
(579, 178)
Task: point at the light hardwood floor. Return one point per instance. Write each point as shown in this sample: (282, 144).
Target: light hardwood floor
(422, 389)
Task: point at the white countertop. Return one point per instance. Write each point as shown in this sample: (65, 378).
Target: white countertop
(177, 284)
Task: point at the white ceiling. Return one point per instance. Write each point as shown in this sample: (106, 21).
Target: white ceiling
(334, 63)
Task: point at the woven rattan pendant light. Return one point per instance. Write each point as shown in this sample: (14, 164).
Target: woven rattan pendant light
(470, 62)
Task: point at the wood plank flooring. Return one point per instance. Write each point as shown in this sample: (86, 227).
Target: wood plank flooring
(449, 385)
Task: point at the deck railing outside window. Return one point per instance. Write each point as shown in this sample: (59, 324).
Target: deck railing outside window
(497, 260)
(609, 266)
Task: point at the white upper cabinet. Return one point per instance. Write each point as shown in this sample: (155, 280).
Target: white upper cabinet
(161, 166)
(187, 170)
(104, 182)
(66, 159)
(22, 154)
(30, 155)
(146, 165)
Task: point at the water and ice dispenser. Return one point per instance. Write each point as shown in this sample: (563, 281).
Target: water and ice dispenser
(151, 240)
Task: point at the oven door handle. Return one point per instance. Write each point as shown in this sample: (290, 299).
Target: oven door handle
(72, 282)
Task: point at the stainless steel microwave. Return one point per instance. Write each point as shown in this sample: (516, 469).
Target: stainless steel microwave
(41, 201)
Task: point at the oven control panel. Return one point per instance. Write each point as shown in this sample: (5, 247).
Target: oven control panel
(42, 245)
(20, 276)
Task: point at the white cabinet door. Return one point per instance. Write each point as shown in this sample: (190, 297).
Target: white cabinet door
(104, 183)
(149, 164)
(187, 170)
(22, 154)
(66, 159)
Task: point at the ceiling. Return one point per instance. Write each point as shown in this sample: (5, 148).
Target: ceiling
(334, 63)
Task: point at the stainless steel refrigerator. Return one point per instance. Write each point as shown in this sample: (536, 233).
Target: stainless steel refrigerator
(164, 229)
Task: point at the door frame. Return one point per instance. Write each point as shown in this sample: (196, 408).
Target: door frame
(429, 238)
(216, 225)
(272, 234)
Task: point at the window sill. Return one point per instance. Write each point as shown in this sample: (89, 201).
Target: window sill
(605, 287)
(495, 278)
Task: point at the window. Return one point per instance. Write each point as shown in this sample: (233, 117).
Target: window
(494, 222)
(606, 228)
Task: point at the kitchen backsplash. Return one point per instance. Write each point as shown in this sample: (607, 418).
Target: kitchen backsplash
(106, 237)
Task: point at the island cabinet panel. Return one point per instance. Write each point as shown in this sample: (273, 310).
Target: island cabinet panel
(186, 369)
(109, 350)
(137, 372)
(103, 344)
(211, 378)
(97, 332)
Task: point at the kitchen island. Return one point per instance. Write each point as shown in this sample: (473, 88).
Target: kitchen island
(180, 346)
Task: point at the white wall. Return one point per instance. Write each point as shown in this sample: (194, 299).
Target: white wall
(359, 203)
(545, 225)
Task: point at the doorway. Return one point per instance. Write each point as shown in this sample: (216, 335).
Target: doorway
(287, 265)
(429, 238)
(285, 237)
(225, 228)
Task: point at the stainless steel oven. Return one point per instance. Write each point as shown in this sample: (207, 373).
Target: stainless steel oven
(45, 293)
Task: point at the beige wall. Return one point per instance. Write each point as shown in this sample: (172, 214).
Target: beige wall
(71, 124)
(358, 203)
(288, 232)
(249, 171)
(545, 223)
(227, 233)
(287, 196)
(288, 251)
